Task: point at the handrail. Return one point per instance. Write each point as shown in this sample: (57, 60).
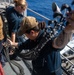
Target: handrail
(38, 14)
(66, 45)
(70, 48)
(48, 20)
(67, 59)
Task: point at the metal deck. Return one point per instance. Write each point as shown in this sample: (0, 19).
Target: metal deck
(8, 70)
(67, 58)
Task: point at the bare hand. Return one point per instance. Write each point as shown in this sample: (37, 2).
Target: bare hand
(70, 17)
(6, 43)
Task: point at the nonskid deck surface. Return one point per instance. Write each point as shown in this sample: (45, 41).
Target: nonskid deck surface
(27, 64)
(8, 70)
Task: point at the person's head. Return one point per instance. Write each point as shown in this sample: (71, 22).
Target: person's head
(30, 27)
(20, 5)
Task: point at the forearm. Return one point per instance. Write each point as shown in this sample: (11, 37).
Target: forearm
(62, 40)
(13, 36)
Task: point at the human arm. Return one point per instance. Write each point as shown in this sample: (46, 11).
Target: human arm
(13, 36)
(20, 45)
(13, 44)
(15, 26)
(62, 40)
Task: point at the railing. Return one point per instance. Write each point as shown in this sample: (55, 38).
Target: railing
(66, 59)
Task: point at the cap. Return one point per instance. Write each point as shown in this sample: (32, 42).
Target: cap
(27, 23)
(20, 2)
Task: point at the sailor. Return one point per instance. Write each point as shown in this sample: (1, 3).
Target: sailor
(48, 62)
(14, 15)
(2, 39)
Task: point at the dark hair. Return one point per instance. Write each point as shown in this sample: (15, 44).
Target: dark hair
(15, 2)
(41, 26)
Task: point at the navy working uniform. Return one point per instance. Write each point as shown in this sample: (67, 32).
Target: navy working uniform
(2, 39)
(14, 19)
(48, 62)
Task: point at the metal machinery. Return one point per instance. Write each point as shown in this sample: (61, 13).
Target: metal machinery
(67, 54)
